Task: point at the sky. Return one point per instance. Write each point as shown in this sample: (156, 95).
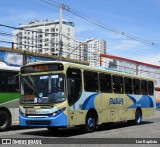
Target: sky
(137, 19)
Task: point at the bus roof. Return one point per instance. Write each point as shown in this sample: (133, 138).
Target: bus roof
(98, 69)
(4, 66)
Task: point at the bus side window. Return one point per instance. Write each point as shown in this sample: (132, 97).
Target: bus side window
(136, 86)
(144, 87)
(105, 83)
(91, 81)
(150, 88)
(8, 81)
(74, 82)
(117, 84)
(128, 85)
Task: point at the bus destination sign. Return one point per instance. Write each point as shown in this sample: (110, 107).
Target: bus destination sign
(41, 68)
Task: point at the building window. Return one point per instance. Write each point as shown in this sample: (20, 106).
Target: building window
(46, 34)
(46, 30)
(52, 29)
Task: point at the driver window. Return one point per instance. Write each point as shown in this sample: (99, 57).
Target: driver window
(74, 82)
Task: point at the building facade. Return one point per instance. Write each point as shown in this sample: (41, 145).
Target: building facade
(43, 37)
(90, 50)
(46, 37)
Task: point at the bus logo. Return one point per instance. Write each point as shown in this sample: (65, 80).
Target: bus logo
(113, 101)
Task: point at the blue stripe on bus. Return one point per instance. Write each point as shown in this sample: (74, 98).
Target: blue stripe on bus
(132, 98)
(144, 102)
(89, 102)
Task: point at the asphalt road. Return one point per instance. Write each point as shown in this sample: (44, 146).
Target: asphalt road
(118, 133)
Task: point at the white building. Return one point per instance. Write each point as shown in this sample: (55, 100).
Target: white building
(39, 36)
(90, 50)
(43, 37)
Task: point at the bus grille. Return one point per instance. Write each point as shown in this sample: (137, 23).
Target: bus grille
(33, 122)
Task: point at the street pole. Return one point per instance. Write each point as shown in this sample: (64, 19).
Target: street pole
(60, 30)
(137, 69)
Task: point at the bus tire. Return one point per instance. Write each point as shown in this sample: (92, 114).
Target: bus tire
(5, 121)
(90, 123)
(138, 117)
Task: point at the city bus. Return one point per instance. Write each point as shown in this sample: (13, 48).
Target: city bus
(56, 94)
(9, 96)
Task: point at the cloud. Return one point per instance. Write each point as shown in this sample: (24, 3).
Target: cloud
(126, 45)
(83, 29)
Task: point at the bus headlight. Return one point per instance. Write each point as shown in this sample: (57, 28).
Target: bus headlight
(59, 112)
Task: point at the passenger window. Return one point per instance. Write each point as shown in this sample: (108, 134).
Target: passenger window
(90, 81)
(136, 86)
(118, 84)
(150, 88)
(8, 81)
(128, 85)
(144, 87)
(105, 83)
(74, 81)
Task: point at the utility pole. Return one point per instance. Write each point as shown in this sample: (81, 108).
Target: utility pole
(60, 30)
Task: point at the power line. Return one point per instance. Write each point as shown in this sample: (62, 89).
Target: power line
(32, 39)
(9, 42)
(106, 27)
(43, 41)
(134, 69)
(22, 28)
(31, 31)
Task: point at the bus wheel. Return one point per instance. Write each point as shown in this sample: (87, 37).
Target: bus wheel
(5, 121)
(90, 124)
(138, 117)
(52, 129)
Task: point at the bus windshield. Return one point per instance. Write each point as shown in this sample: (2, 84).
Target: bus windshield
(42, 88)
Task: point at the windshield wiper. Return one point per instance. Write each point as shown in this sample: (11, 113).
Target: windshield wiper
(30, 86)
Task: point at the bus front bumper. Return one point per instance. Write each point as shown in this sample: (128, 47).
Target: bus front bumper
(47, 120)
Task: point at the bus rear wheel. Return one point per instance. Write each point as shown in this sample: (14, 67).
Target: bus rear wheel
(138, 117)
(90, 124)
(5, 121)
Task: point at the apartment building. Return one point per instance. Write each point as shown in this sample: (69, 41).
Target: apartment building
(90, 50)
(43, 37)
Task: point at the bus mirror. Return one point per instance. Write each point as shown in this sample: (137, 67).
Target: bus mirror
(17, 75)
(18, 90)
